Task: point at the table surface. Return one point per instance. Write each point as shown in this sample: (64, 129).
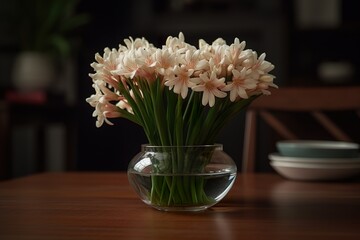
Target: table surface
(103, 206)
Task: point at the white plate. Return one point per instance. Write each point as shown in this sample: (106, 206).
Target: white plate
(304, 172)
(280, 158)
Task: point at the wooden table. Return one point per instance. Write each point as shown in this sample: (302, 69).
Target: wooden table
(103, 206)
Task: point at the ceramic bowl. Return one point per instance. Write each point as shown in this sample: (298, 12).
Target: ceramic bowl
(314, 171)
(318, 149)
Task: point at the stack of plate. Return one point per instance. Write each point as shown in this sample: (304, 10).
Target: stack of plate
(316, 160)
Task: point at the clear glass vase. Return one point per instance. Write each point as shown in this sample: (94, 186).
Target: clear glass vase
(182, 178)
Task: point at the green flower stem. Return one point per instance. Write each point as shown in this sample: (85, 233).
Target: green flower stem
(137, 109)
(125, 114)
(159, 108)
(197, 124)
(227, 114)
(188, 105)
(170, 116)
(194, 192)
(179, 123)
(154, 190)
(179, 189)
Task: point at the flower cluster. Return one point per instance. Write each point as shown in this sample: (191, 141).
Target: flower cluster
(216, 71)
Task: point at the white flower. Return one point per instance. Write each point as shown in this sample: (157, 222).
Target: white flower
(103, 108)
(219, 56)
(177, 44)
(258, 65)
(164, 61)
(192, 60)
(239, 84)
(104, 67)
(247, 58)
(234, 51)
(210, 86)
(132, 44)
(262, 66)
(146, 62)
(219, 41)
(180, 80)
(128, 64)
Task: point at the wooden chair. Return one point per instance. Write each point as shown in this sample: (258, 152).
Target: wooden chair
(317, 102)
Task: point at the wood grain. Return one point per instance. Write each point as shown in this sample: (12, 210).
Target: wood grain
(103, 206)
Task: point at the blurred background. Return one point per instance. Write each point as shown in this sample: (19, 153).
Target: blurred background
(47, 46)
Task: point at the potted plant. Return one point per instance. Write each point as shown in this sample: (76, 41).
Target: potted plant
(181, 96)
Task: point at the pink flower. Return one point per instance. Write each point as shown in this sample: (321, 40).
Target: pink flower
(239, 85)
(103, 108)
(165, 60)
(210, 86)
(104, 67)
(179, 80)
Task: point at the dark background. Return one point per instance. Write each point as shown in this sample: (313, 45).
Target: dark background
(298, 37)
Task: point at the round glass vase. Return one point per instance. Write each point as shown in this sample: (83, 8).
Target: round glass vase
(182, 178)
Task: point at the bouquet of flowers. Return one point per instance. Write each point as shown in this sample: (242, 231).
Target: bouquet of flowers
(179, 94)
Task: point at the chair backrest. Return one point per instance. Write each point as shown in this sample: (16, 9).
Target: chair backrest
(317, 102)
